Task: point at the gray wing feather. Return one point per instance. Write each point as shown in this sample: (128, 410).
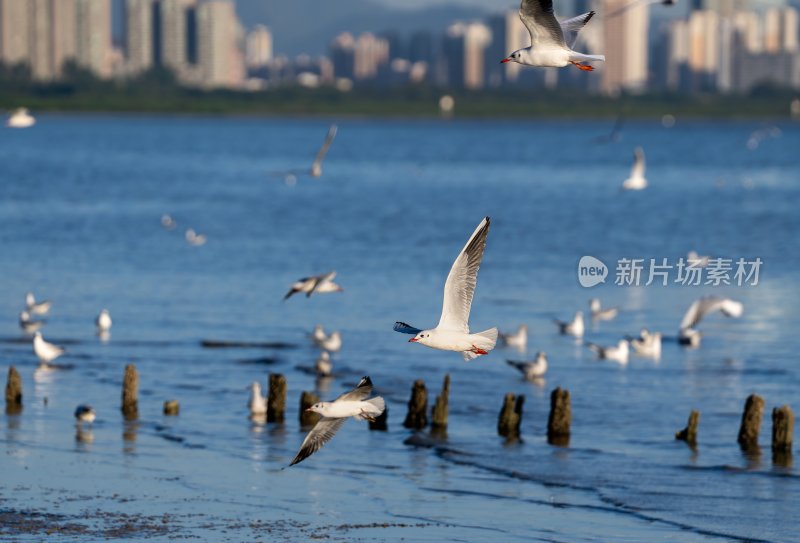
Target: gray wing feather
(540, 20)
(320, 434)
(360, 393)
(326, 145)
(571, 27)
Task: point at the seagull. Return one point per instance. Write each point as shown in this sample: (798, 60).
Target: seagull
(335, 413)
(27, 324)
(548, 47)
(532, 370)
(323, 366)
(317, 283)
(168, 222)
(694, 259)
(618, 352)
(332, 343)
(20, 118)
(36, 308)
(699, 309)
(85, 413)
(257, 403)
(452, 332)
(572, 328)
(290, 176)
(600, 314)
(647, 344)
(193, 238)
(318, 334)
(636, 181)
(518, 339)
(103, 321)
(44, 351)
(614, 135)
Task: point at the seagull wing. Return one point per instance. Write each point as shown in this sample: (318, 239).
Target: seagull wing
(320, 434)
(460, 285)
(325, 146)
(539, 19)
(571, 27)
(358, 394)
(318, 280)
(637, 170)
(692, 316)
(404, 328)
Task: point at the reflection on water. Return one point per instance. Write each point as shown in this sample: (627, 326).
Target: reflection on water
(130, 431)
(84, 437)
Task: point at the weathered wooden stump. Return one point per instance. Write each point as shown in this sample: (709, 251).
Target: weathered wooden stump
(689, 434)
(560, 418)
(782, 430)
(276, 403)
(440, 409)
(308, 418)
(751, 422)
(381, 423)
(13, 392)
(510, 418)
(417, 406)
(130, 393)
(172, 408)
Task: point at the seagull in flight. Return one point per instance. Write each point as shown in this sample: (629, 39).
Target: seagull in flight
(636, 181)
(290, 176)
(335, 414)
(548, 47)
(699, 309)
(452, 332)
(316, 283)
(28, 324)
(37, 308)
(532, 370)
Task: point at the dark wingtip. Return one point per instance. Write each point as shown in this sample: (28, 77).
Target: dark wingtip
(365, 382)
(588, 17)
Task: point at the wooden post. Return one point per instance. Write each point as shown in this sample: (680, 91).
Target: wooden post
(130, 393)
(510, 418)
(13, 392)
(381, 422)
(560, 419)
(782, 430)
(689, 434)
(308, 418)
(172, 408)
(440, 409)
(751, 422)
(417, 406)
(276, 404)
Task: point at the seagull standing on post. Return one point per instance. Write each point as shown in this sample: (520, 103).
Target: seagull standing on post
(548, 47)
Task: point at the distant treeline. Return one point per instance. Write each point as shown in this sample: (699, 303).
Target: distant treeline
(158, 91)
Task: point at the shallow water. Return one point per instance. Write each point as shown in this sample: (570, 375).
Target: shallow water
(80, 202)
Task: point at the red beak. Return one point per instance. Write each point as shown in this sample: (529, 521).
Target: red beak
(413, 340)
(505, 60)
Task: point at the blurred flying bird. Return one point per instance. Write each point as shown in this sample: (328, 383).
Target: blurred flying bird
(168, 222)
(699, 309)
(452, 332)
(615, 135)
(636, 181)
(548, 46)
(600, 314)
(34, 307)
(290, 176)
(193, 238)
(320, 284)
(28, 324)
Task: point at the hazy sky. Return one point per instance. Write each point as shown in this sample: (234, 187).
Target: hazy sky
(489, 4)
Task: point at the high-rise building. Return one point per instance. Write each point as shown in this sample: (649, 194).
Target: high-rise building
(94, 36)
(64, 28)
(780, 30)
(343, 54)
(258, 47)
(465, 54)
(221, 63)
(371, 53)
(625, 47)
(508, 35)
(173, 36)
(139, 34)
(14, 30)
(40, 46)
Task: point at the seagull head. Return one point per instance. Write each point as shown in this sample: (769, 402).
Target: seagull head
(423, 337)
(513, 57)
(316, 408)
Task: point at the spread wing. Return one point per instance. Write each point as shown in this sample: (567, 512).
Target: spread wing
(637, 170)
(318, 280)
(320, 434)
(702, 307)
(404, 328)
(539, 19)
(360, 393)
(571, 27)
(460, 285)
(325, 145)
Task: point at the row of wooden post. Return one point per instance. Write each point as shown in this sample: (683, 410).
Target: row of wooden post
(508, 423)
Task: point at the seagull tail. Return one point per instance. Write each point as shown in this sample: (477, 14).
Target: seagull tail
(378, 405)
(490, 339)
(580, 57)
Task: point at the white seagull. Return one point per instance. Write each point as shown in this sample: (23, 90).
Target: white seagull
(618, 352)
(324, 366)
(193, 238)
(647, 344)
(518, 339)
(699, 309)
(316, 167)
(532, 370)
(318, 334)
(320, 284)
(257, 403)
(85, 413)
(28, 324)
(335, 413)
(36, 308)
(332, 343)
(168, 222)
(103, 321)
(452, 332)
(636, 181)
(573, 328)
(600, 314)
(548, 46)
(694, 259)
(20, 118)
(44, 351)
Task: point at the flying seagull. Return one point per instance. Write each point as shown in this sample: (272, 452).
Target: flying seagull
(335, 414)
(28, 324)
(317, 283)
(600, 314)
(532, 370)
(34, 307)
(290, 176)
(452, 332)
(636, 181)
(699, 309)
(548, 46)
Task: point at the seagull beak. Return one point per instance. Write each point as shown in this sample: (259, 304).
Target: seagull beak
(508, 59)
(308, 410)
(413, 340)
